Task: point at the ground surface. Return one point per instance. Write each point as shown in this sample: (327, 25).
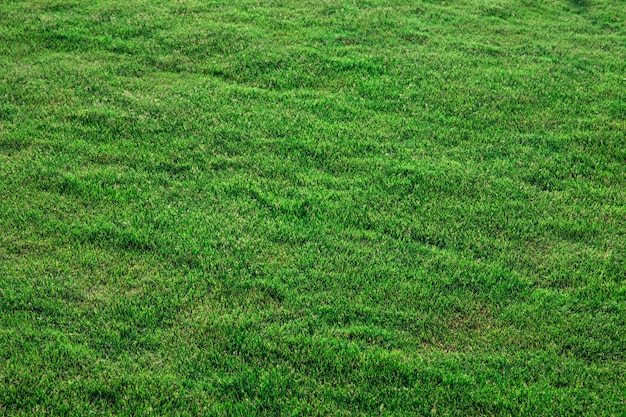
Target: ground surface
(312, 207)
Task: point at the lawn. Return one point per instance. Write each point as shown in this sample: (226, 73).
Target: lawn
(316, 208)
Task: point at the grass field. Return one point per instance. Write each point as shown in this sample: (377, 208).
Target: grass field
(301, 207)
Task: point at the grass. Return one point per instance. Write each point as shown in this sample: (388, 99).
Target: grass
(312, 207)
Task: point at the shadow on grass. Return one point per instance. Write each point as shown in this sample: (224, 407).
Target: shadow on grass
(580, 3)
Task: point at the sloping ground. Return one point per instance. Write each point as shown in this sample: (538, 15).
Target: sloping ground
(312, 208)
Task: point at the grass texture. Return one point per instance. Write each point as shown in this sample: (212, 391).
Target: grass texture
(316, 208)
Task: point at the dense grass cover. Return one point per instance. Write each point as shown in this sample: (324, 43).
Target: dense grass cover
(304, 207)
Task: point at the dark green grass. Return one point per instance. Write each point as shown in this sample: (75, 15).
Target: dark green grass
(313, 208)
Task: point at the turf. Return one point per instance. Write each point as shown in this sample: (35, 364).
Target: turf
(300, 207)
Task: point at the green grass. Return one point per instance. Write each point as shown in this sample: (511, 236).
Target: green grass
(303, 207)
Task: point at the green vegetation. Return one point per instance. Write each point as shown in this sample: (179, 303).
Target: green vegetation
(301, 207)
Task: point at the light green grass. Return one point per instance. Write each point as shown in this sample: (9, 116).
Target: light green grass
(312, 207)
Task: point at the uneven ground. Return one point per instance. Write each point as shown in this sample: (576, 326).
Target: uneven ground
(302, 207)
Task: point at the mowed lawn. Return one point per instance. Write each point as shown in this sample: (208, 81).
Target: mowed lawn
(322, 208)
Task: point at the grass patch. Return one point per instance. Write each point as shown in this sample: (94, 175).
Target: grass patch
(312, 208)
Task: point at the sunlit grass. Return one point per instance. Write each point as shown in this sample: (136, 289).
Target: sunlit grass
(312, 208)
